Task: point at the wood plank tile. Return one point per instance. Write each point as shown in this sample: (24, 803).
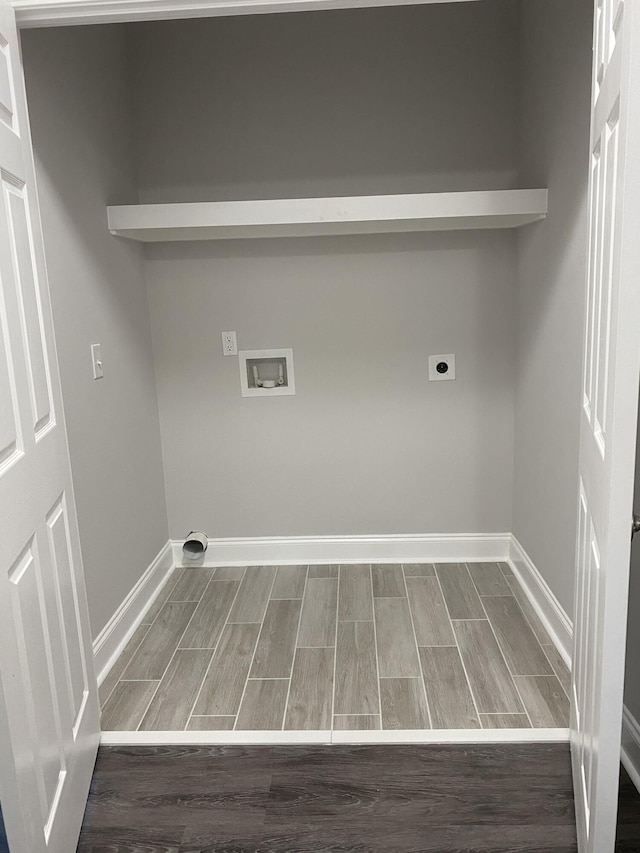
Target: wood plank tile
(372, 799)
(506, 570)
(388, 581)
(156, 650)
(211, 724)
(191, 585)
(229, 573)
(355, 597)
(163, 596)
(530, 614)
(459, 591)
(403, 704)
(397, 652)
(356, 687)
(277, 641)
(505, 721)
(289, 582)
(419, 570)
(311, 694)
(115, 673)
(448, 692)
(559, 667)
(318, 620)
(489, 579)
(210, 616)
(126, 705)
(520, 648)
(223, 685)
(263, 705)
(356, 722)
(430, 618)
(324, 571)
(253, 595)
(171, 705)
(545, 700)
(491, 684)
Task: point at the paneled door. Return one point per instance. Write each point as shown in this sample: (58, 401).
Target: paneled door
(48, 693)
(608, 421)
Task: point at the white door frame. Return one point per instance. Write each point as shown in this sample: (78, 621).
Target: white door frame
(53, 13)
(38, 13)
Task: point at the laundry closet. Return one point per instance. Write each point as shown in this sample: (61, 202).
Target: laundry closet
(371, 457)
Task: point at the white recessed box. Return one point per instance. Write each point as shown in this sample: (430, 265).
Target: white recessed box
(266, 372)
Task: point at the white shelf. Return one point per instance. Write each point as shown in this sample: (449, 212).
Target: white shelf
(303, 217)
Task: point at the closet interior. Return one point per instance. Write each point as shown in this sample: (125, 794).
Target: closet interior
(392, 203)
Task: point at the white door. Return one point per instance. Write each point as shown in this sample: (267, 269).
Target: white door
(608, 421)
(48, 691)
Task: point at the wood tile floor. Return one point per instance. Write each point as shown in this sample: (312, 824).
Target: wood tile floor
(391, 646)
(334, 799)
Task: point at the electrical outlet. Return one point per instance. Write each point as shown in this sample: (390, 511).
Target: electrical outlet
(229, 343)
(96, 361)
(442, 367)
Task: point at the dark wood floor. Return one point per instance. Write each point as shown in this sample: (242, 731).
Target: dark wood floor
(361, 799)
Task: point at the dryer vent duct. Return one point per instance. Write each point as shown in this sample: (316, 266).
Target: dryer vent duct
(195, 545)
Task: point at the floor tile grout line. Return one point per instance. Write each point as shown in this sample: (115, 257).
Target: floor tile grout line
(208, 669)
(244, 691)
(467, 620)
(213, 715)
(375, 644)
(262, 678)
(462, 663)
(355, 715)
(527, 675)
(503, 714)
(417, 648)
(507, 666)
(295, 650)
(335, 657)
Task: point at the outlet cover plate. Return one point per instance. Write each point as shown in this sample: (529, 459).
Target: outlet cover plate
(229, 343)
(436, 375)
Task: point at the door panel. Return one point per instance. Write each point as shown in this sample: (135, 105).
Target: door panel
(48, 689)
(607, 423)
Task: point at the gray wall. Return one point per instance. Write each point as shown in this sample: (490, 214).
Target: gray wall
(78, 99)
(555, 92)
(367, 444)
(327, 103)
(382, 100)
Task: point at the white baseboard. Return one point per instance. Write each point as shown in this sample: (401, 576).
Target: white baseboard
(116, 633)
(549, 610)
(630, 753)
(448, 548)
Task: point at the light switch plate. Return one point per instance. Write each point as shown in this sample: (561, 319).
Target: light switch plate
(96, 361)
(442, 367)
(229, 343)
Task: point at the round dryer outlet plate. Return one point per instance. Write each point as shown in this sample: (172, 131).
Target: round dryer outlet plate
(442, 367)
